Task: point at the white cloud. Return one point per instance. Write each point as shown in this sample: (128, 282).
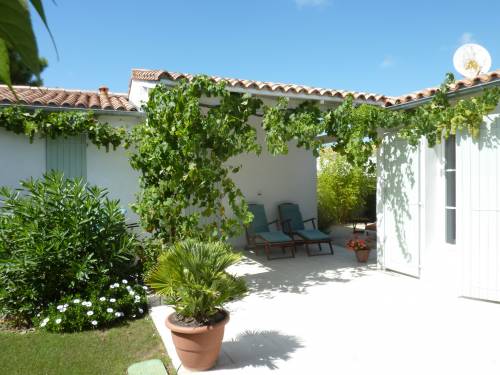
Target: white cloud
(387, 62)
(466, 38)
(311, 3)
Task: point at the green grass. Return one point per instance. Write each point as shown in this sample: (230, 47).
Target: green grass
(107, 352)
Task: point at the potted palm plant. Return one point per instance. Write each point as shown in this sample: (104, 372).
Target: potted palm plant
(360, 248)
(192, 277)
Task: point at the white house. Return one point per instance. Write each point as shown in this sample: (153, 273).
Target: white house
(438, 208)
(264, 179)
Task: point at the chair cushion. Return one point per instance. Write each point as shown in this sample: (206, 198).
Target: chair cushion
(313, 234)
(274, 236)
(259, 222)
(290, 213)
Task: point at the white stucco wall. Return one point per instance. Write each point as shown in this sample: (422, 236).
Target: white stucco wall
(263, 179)
(20, 159)
(111, 169)
(471, 267)
(271, 180)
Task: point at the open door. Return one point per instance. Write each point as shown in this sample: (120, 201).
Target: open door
(478, 211)
(399, 206)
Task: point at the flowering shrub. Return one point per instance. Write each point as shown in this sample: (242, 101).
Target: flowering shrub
(58, 237)
(356, 244)
(119, 301)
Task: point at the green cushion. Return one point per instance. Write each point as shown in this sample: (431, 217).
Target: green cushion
(290, 213)
(313, 234)
(259, 222)
(151, 367)
(274, 237)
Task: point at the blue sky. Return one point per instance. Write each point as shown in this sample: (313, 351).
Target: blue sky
(389, 47)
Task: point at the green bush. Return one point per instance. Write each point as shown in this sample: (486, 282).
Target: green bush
(192, 276)
(58, 238)
(343, 189)
(119, 301)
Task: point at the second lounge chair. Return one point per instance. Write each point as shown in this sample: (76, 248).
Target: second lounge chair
(293, 224)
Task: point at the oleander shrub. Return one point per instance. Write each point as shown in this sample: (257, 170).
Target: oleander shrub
(122, 300)
(58, 238)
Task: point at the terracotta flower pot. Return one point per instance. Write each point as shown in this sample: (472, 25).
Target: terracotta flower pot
(197, 347)
(362, 255)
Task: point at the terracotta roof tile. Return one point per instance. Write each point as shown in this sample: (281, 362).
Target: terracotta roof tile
(156, 75)
(458, 85)
(53, 97)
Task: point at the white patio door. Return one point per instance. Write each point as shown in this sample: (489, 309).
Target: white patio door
(399, 206)
(478, 211)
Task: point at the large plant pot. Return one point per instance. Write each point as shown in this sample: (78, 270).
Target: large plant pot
(197, 347)
(362, 255)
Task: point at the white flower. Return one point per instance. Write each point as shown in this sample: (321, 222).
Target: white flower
(129, 287)
(145, 287)
(88, 304)
(133, 316)
(137, 299)
(38, 315)
(60, 307)
(140, 310)
(109, 309)
(118, 314)
(58, 320)
(112, 286)
(131, 292)
(112, 300)
(76, 300)
(102, 299)
(90, 313)
(43, 324)
(94, 322)
(124, 281)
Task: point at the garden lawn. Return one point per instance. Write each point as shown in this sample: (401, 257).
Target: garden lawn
(107, 352)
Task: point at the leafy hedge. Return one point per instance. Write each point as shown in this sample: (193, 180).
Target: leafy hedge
(58, 238)
(343, 189)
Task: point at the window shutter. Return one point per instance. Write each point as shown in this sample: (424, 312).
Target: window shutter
(68, 155)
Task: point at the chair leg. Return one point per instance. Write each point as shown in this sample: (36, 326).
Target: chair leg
(319, 244)
(307, 249)
(294, 250)
(267, 251)
(331, 247)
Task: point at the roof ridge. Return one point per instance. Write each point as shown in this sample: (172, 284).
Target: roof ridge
(158, 74)
(64, 89)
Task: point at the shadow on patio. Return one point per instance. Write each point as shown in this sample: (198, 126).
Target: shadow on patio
(257, 349)
(295, 275)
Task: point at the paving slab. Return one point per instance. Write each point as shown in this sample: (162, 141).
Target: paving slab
(331, 315)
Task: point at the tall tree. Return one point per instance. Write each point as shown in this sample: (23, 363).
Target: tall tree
(22, 74)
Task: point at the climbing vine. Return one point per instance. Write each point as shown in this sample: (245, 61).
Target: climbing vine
(61, 124)
(184, 150)
(357, 130)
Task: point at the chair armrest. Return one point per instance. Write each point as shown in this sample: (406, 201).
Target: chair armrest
(287, 226)
(313, 220)
(277, 222)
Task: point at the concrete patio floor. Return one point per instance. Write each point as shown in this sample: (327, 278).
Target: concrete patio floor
(329, 315)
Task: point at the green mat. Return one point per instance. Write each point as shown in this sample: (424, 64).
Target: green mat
(151, 367)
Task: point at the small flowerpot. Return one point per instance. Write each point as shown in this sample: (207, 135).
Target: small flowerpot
(362, 255)
(197, 347)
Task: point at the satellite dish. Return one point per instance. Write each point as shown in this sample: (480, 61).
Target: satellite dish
(471, 60)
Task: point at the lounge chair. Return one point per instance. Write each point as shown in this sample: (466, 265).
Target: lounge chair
(293, 224)
(259, 230)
